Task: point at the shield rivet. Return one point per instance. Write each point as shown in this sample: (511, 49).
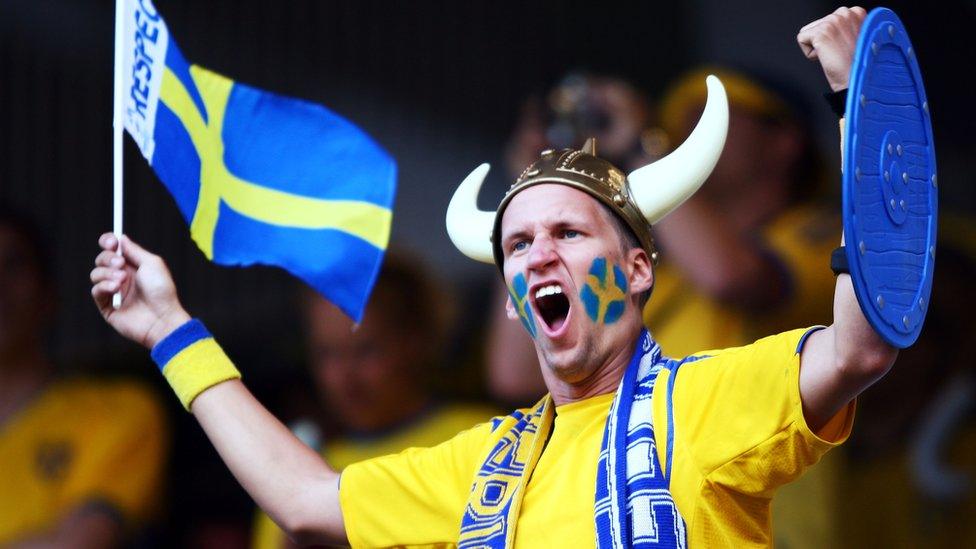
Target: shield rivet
(863, 100)
(857, 173)
(892, 203)
(904, 320)
(911, 52)
(887, 176)
(899, 149)
(921, 302)
(935, 182)
(547, 152)
(874, 48)
(862, 247)
(890, 148)
(533, 172)
(903, 206)
(880, 302)
(904, 177)
(891, 31)
(619, 200)
(932, 251)
(925, 107)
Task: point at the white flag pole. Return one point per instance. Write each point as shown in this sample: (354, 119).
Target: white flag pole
(117, 127)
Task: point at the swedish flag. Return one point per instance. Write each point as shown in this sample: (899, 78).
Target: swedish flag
(259, 178)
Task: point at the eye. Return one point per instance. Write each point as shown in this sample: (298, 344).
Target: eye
(570, 233)
(520, 245)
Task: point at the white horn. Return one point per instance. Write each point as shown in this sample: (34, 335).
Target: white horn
(662, 186)
(469, 227)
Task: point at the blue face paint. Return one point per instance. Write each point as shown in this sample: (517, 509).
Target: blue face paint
(605, 294)
(519, 291)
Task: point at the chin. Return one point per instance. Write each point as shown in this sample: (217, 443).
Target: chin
(568, 364)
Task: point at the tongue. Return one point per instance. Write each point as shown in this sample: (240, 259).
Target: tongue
(557, 323)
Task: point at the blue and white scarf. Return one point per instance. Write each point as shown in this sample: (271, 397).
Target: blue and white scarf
(633, 508)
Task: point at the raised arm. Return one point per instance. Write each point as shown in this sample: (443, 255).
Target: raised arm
(840, 362)
(285, 477)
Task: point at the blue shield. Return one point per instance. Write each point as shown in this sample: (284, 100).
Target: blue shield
(890, 203)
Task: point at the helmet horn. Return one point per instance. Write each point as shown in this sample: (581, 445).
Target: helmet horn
(590, 146)
(469, 227)
(662, 186)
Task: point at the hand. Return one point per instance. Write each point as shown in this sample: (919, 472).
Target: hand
(832, 40)
(150, 308)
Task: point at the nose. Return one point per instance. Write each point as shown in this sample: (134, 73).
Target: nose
(542, 254)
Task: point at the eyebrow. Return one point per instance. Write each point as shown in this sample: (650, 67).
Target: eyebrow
(519, 234)
(565, 221)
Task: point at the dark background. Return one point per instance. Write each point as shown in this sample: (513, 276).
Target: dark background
(438, 84)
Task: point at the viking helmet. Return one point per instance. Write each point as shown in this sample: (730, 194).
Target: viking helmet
(640, 199)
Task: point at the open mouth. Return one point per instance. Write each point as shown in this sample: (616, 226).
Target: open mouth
(552, 306)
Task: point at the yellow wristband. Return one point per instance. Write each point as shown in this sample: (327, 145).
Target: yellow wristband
(192, 362)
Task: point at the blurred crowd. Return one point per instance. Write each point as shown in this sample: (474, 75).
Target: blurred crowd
(91, 460)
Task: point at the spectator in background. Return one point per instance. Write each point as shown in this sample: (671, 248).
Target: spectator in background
(741, 258)
(81, 460)
(374, 380)
(581, 106)
(758, 235)
(913, 459)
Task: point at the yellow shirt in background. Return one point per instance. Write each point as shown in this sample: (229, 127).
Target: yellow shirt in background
(684, 320)
(81, 442)
(739, 433)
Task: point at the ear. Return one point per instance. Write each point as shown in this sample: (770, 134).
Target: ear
(510, 311)
(641, 271)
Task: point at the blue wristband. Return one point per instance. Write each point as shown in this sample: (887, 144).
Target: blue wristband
(189, 333)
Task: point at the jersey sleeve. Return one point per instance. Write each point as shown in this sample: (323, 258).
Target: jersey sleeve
(737, 416)
(416, 497)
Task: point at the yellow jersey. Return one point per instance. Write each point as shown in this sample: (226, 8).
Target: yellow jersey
(739, 434)
(436, 426)
(81, 442)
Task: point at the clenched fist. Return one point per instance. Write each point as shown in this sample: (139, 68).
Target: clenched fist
(832, 40)
(150, 309)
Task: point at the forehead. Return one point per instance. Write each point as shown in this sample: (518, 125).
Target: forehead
(327, 324)
(550, 204)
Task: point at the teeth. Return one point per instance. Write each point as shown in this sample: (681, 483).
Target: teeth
(548, 290)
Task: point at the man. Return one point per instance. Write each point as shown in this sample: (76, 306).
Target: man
(739, 264)
(581, 106)
(690, 458)
(82, 460)
(374, 380)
